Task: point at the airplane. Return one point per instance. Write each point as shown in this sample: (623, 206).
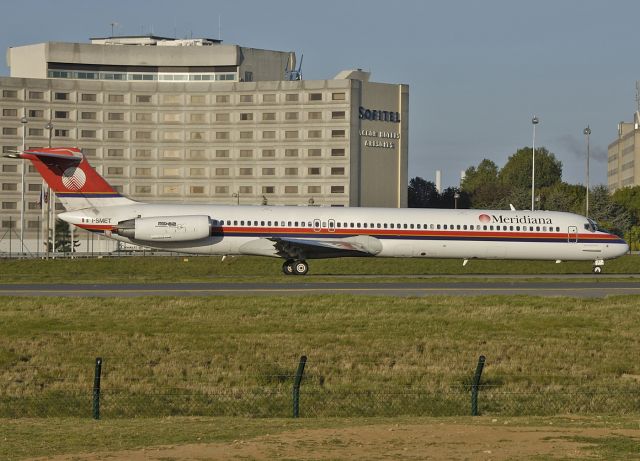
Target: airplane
(297, 234)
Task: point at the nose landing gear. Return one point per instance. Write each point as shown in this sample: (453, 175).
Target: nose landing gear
(291, 267)
(597, 266)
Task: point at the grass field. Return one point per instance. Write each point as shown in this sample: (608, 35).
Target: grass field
(173, 269)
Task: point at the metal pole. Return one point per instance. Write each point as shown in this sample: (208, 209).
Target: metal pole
(534, 121)
(587, 132)
(296, 386)
(476, 385)
(96, 388)
(23, 120)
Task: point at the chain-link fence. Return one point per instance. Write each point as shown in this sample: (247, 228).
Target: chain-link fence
(277, 396)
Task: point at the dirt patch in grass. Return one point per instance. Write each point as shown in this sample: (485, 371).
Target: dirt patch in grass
(492, 440)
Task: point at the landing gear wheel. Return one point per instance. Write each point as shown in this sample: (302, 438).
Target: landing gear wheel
(300, 267)
(287, 267)
(597, 266)
(597, 269)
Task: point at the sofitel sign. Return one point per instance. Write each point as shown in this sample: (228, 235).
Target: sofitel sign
(379, 115)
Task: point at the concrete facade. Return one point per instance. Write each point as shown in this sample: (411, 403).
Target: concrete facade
(337, 142)
(624, 156)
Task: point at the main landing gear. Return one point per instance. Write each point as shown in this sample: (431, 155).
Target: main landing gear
(291, 267)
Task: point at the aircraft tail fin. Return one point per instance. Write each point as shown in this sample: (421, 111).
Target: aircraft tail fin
(69, 174)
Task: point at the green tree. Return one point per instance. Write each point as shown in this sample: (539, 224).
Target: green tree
(516, 173)
(423, 194)
(563, 197)
(609, 214)
(482, 186)
(63, 237)
(633, 238)
(629, 197)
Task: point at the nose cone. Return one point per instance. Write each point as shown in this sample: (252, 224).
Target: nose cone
(615, 250)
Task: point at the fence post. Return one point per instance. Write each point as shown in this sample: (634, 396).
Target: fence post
(96, 389)
(475, 385)
(296, 386)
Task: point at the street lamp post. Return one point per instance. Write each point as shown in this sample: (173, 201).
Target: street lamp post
(24, 121)
(587, 132)
(456, 196)
(236, 195)
(534, 121)
(46, 197)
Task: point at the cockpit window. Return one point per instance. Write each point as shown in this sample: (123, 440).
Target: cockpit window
(591, 226)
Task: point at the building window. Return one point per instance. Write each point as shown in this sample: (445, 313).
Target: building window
(315, 97)
(197, 118)
(291, 152)
(9, 149)
(245, 189)
(197, 154)
(9, 112)
(115, 116)
(115, 134)
(9, 205)
(314, 134)
(174, 154)
(290, 189)
(337, 171)
(222, 171)
(115, 98)
(314, 115)
(291, 172)
(197, 136)
(248, 76)
(269, 97)
(172, 117)
(10, 94)
(197, 172)
(291, 134)
(246, 98)
(115, 170)
(291, 97)
(222, 135)
(88, 97)
(291, 115)
(337, 152)
(88, 116)
(59, 96)
(222, 117)
(36, 132)
(171, 172)
(9, 168)
(88, 133)
(221, 189)
(222, 153)
(314, 152)
(143, 134)
(115, 152)
(33, 206)
(143, 98)
(337, 189)
(143, 172)
(89, 152)
(171, 190)
(143, 153)
(198, 99)
(60, 114)
(61, 133)
(246, 135)
(337, 133)
(9, 186)
(268, 153)
(143, 189)
(338, 96)
(197, 190)
(246, 153)
(35, 113)
(246, 171)
(314, 171)
(172, 135)
(268, 189)
(314, 190)
(246, 116)
(268, 172)
(338, 115)
(143, 117)
(268, 116)
(222, 98)
(268, 135)
(37, 95)
(34, 187)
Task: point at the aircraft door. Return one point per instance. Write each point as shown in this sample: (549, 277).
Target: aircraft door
(572, 236)
(316, 225)
(332, 225)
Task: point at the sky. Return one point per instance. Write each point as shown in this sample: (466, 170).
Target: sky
(478, 71)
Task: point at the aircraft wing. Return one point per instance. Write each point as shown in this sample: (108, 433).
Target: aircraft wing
(309, 248)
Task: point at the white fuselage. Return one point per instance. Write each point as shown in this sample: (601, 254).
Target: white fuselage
(430, 233)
